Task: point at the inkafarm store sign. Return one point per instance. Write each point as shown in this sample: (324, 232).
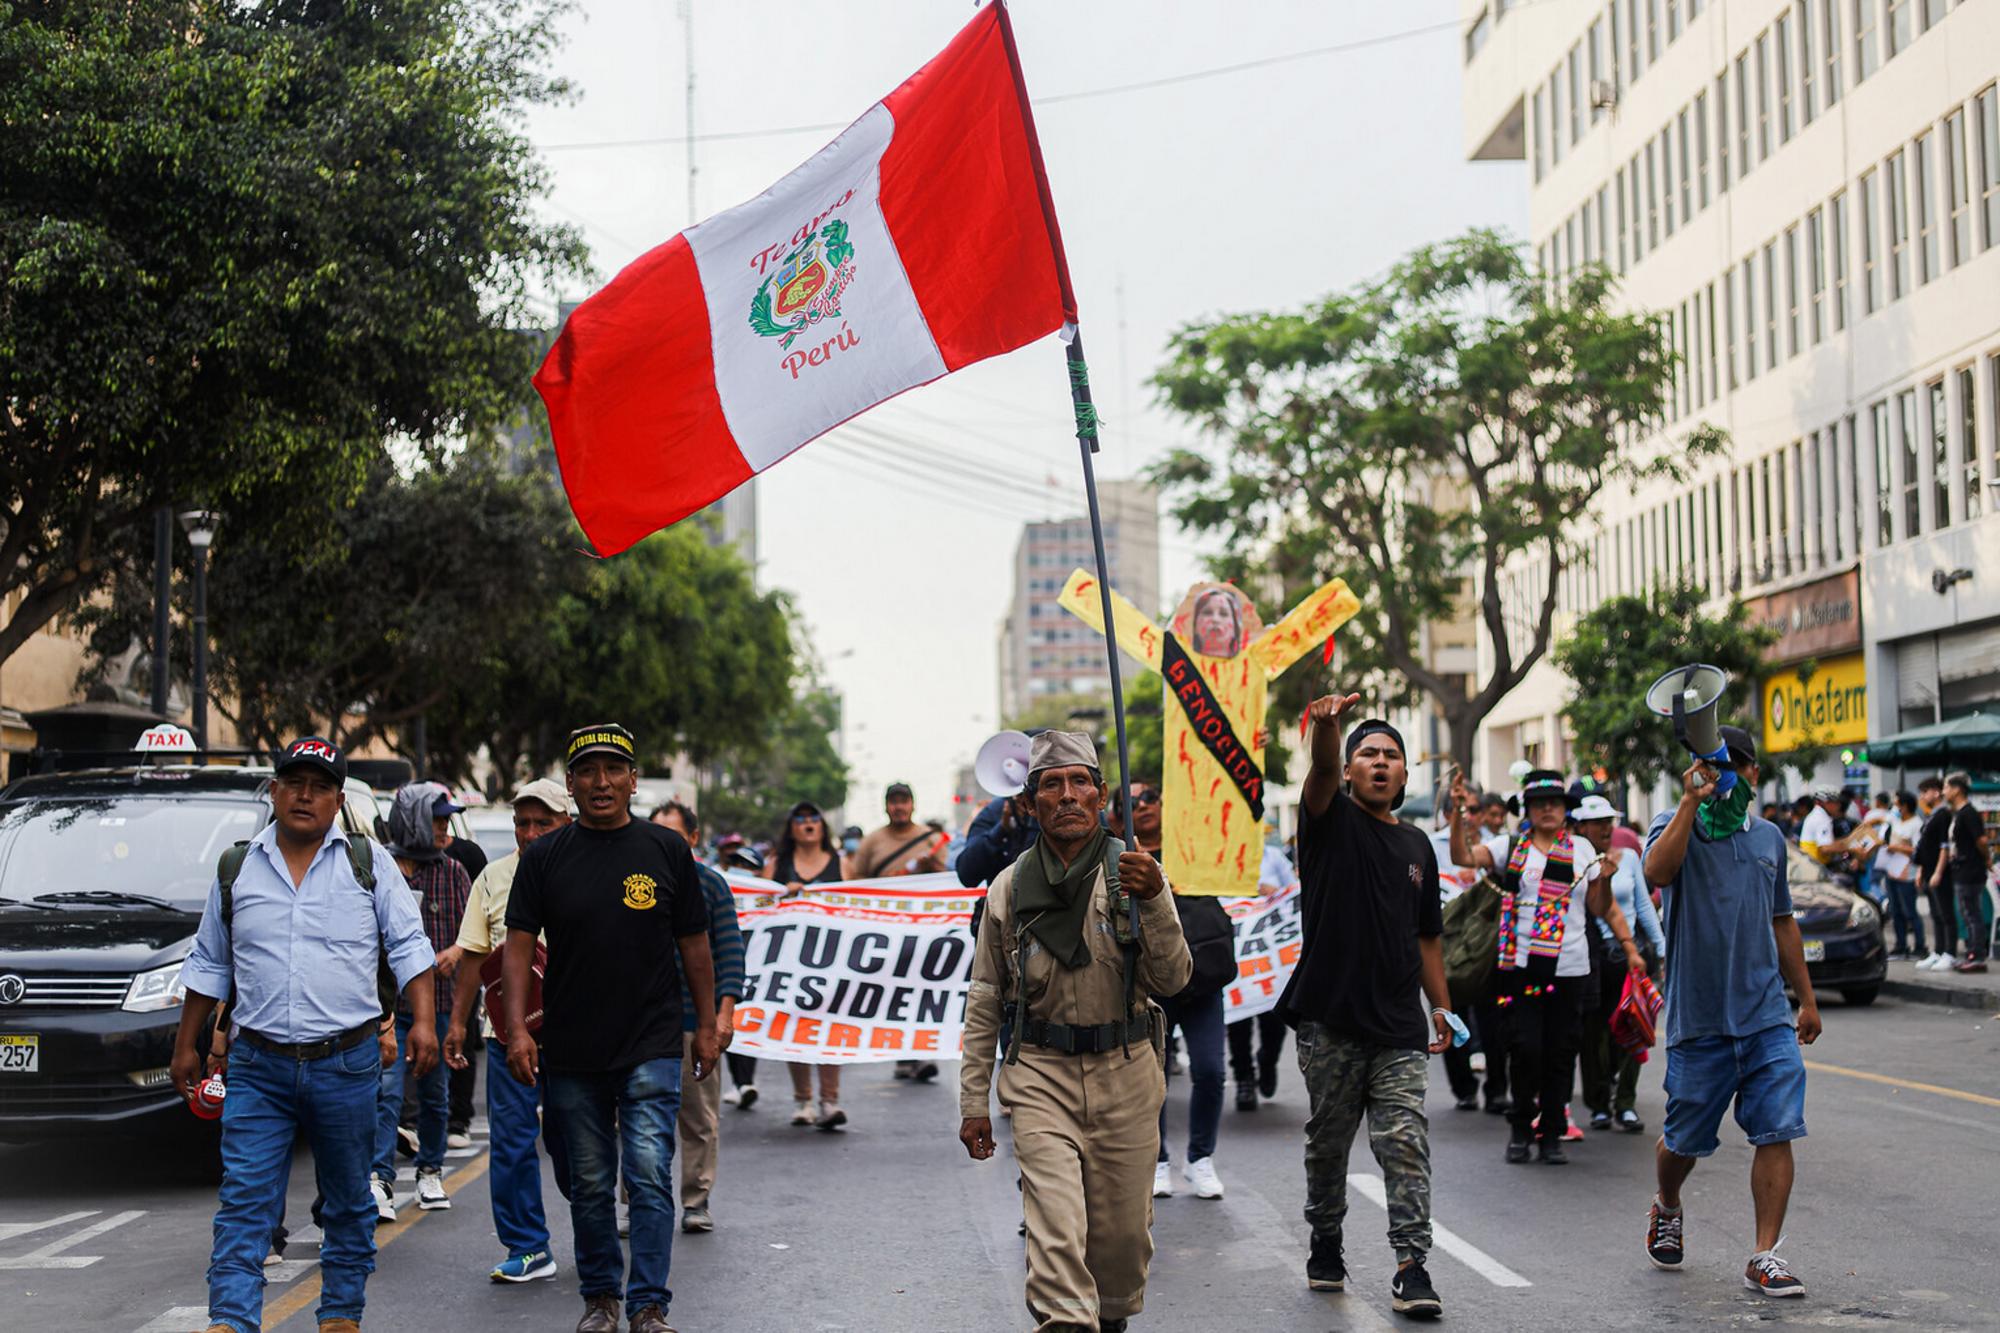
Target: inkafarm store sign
(1816, 692)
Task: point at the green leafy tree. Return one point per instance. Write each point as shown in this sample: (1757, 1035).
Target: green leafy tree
(1622, 646)
(752, 796)
(241, 245)
(1419, 437)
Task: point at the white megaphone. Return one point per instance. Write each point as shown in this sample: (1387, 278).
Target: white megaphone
(1002, 763)
(1690, 695)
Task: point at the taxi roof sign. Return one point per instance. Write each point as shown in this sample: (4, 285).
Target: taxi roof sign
(166, 739)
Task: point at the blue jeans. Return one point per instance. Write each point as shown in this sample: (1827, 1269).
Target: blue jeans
(514, 1175)
(1200, 1022)
(1903, 911)
(620, 1119)
(433, 1092)
(1764, 1073)
(271, 1101)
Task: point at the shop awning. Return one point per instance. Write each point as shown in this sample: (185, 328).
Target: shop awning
(1972, 739)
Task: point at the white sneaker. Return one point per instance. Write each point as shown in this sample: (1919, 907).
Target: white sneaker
(1936, 962)
(1201, 1175)
(385, 1203)
(430, 1190)
(458, 1139)
(802, 1113)
(830, 1116)
(1163, 1181)
(731, 1097)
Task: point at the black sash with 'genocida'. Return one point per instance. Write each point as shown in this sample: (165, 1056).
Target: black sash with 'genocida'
(1211, 724)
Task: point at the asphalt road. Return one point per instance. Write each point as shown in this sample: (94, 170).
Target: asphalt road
(887, 1226)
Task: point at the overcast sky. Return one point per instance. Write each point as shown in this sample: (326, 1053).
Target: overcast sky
(1250, 190)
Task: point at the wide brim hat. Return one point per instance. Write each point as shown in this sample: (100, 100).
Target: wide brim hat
(1594, 806)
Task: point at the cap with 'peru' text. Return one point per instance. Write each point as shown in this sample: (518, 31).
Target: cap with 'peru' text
(315, 752)
(604, 738)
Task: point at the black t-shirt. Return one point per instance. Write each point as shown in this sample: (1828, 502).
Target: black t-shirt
(1967, 865)
(613, 903)
(1368, 890)
(1931, 842)
(468, 854)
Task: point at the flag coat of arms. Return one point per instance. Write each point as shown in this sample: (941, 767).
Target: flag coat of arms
(921, 240)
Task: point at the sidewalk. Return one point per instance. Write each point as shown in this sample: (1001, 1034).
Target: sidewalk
(1957, 990)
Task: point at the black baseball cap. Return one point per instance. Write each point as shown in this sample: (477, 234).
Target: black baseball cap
(604, 738)
(898, 789)
(315, 752)
(1742, 750)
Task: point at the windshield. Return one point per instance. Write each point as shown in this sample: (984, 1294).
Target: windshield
(121, 844)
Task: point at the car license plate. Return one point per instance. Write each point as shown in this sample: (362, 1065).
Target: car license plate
(1815, 951)
(20, 1053)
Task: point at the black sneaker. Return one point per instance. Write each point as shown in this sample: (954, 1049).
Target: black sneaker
(1325, 1269)
(1246, 1097)
(1469, 1102)
(1551, 1153)
(1600, 1120)
(1498, 1106)
(1267, 1078)
(1517, 1151)
(1630, 1123)
(1663, 1238)
(1412, 1294)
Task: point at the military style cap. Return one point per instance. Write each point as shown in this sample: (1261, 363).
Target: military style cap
(1060, 749)
(604, 738)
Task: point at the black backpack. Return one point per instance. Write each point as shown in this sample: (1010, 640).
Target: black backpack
(361, 859)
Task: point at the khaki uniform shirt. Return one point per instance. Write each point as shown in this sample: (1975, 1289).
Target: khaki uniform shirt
(1084, 996)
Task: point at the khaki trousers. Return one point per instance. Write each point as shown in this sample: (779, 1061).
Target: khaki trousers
(1086, 1133)
(699, 1130)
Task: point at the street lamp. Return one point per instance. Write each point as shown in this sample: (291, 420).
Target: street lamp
(200, 525)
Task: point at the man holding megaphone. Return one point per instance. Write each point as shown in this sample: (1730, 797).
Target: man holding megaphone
(1729, 1033)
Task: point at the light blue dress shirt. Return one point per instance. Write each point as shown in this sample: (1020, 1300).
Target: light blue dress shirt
(1636, 904)
(304, 959)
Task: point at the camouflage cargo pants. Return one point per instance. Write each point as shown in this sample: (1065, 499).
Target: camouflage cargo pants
(1344, 1078)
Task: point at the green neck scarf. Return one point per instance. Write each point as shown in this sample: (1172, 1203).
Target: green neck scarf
(1719, 816)
(1051, 899)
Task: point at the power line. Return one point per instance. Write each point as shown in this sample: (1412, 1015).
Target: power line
(1054, 99)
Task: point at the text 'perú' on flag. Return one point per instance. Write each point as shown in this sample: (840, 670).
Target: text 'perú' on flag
(920, 240)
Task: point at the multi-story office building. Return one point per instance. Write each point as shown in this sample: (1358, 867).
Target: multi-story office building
(1044, 649)
(1808, 192)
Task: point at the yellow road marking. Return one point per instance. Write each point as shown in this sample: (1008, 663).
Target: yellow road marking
(1974, 1097)
(308, 1289)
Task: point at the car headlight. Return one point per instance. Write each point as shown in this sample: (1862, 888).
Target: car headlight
(158, 989)
(1862, 916)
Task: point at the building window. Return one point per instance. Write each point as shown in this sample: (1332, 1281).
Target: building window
(1743, 159)
(1652, 196)
(1476, 35)
(1807, 64)
(1986, 109)
(1555, 118)
(1923, 192)
(1596, 66)
(1933, 14)
(1638, 211)
(1830, 43)
(1791, 291)
(1901, 30)
(1816, 274)
(1958, 189)
(1618, 189)
(1837, 258)
(1940, 458)
(1603, 224)
(1635, 51)
(1885, 490)
(1700, 149)
(1771, 304)
(1906, 419)
(1536, 131)
(1721, 132)
(1729, 326)
(1811, 506)
(1896, 185)
(1708, 308)
(1750, 316)
(1871, 246)
(1687, 177)
(1763, 95)
(1667, 177)
(1968, 441)
(1781, 69)
(1652, 32)
(1579, 93)
(1865, 53)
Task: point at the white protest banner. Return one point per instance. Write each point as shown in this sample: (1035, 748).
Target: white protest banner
(853, 972)
(876, 970)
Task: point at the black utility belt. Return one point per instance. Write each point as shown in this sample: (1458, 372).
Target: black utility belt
(1090, 1039)
(313, 1050)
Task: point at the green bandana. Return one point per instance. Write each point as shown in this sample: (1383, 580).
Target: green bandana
(1051, 898)
(1719, 816)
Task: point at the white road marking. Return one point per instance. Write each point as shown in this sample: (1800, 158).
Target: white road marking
(1459, 1248)
(52, 1256)
(1266, 1242)
(287, 1269)
(177, 1320)
(9, 1230)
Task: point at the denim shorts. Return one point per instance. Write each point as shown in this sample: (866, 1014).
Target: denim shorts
(1765, 1074)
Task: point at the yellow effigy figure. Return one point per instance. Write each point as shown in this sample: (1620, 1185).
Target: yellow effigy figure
(1217, 660)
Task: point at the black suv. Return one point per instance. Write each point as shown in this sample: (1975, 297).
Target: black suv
(103, 875)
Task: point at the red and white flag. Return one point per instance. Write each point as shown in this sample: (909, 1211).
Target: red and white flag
(921, 240)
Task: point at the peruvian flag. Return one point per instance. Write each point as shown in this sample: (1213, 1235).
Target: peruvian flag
(921, 240)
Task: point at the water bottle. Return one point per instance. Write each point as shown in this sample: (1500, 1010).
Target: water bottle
(207, 1099)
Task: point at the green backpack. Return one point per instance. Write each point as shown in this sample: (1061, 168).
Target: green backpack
(1472, 940)
(361, 859)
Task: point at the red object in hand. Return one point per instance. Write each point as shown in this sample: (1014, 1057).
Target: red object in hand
(207, 1099)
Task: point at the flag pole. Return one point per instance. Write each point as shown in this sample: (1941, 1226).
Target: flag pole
(1086, 440)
